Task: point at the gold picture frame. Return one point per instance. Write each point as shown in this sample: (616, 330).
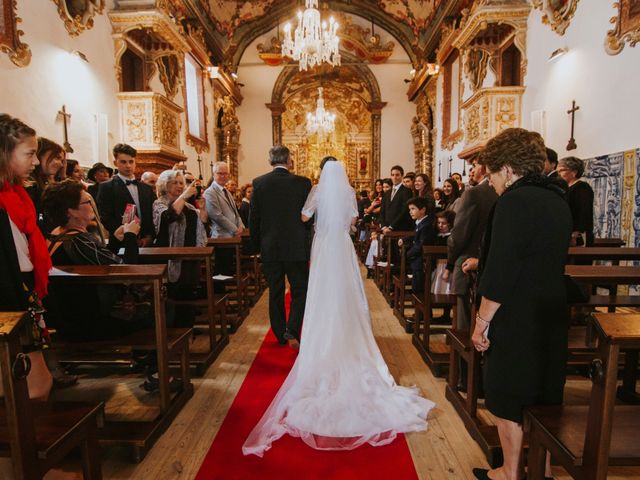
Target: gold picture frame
(626, 27)
(78, 15)
(18, 52)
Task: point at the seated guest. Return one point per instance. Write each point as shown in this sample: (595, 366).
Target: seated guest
(52, 168)
(179, 224)
(521, 324)
(580, 198)
(98, 174)
(425, 235)
(245, 204)
(122, 190)
(24, 261)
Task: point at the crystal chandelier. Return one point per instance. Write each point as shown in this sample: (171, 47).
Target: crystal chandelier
(315, 41)
(321, 122)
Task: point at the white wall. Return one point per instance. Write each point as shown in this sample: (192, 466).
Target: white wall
(604, 86)
(255, 118)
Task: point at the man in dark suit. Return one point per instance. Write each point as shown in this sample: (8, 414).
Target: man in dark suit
(122, 189)
(394, 213)
(278, 232)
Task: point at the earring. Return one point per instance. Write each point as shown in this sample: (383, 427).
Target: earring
(508, 183)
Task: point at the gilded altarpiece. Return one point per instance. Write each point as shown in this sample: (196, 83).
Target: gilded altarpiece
(151, 124)
(227, 133)
(423, 130)
(354, 99)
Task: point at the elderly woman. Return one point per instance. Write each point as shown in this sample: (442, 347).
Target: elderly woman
(521, 323)
(178, 223)
(580, 197)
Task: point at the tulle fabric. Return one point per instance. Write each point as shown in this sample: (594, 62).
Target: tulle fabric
(339, 394)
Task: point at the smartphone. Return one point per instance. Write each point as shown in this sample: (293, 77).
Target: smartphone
(129, 213)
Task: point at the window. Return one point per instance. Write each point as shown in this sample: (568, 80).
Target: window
(194, 98)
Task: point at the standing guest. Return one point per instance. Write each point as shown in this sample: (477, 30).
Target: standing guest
(451, 195)
(224, 216)
(98, 174)
(372, 212)
(394, 213)
(408, 180)
(523, 291)
(363, 203)
(52, 168)
(438, 195)
(123, 189)
(74, 171)
(189, 178)
(422, 185)
(458, 178)
(150, 179)
(419, 210)
(278, 233)
(441, 284)
(580, 198)
(245, 204)
(24, 260)
(551, 163)
(232, 188)
(178, 223)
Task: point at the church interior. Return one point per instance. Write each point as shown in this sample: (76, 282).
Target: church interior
(419, 84)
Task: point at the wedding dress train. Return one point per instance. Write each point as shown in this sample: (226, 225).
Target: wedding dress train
(339, 393)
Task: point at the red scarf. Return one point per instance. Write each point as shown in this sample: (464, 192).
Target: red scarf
(16, 201)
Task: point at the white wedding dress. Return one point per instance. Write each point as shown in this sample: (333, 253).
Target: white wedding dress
(339, 393)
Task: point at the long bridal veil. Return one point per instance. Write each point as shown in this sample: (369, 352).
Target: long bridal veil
(339, 393)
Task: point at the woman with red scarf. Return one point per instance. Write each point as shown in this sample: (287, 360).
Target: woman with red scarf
(24, 259)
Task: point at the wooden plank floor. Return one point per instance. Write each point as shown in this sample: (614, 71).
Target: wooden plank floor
(445, 451)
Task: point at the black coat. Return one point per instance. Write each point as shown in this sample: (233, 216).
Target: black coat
(277, 230)
(580, 198)
(113, 197)
(523, 270)
(395, 213)
(13, 296)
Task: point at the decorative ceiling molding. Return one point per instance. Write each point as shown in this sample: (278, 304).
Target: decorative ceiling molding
(557, 14)
(417, 14)
(18, 52)
(626, 27)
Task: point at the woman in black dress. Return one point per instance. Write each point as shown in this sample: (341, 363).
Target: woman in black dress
(580, 198)
(522, 322)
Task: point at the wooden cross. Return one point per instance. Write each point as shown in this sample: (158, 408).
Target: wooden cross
(200, 167)
(439, 166)
(450, 162)
(65, 116)
(572, 141)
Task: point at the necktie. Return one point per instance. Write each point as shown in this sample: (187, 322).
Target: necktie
(393, 192)
(131, 182)
(231, 203)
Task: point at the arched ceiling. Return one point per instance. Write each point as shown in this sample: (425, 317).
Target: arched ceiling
(231, 25)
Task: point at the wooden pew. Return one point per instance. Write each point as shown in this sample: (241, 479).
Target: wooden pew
(586, 439)
(390, 239)
(238, 303)
(173, 342)
(402, 286)
(251, 265)
(423, 303)
(484, 434)
(215, 304)
(38, 435)
(608, 242)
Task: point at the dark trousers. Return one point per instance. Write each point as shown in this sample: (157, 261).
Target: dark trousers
(298, 275)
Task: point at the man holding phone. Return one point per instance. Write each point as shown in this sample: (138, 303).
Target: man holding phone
(124, 196)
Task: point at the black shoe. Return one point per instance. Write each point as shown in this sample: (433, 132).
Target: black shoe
(152, 384)
(481, 473)
(290, 336)
(282, 341)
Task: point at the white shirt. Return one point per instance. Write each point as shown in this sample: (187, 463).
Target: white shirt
(22, 248)
(420, 221)
(133, 190)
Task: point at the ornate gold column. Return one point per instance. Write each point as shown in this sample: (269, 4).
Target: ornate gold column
(376, 129)
(277, 109)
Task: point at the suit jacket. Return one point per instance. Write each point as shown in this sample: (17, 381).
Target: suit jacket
(468, 229)
(112, 200)
(425, 235)
(277, 230)
(395, 213)
(224, 215)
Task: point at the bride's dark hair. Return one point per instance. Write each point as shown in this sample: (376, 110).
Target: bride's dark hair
(327, 159)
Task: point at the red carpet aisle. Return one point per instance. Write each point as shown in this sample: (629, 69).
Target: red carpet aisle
(290, 458)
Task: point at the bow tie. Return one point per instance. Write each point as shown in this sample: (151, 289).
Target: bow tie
(130, 182)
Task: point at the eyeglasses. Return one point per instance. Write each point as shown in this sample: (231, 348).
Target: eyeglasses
(86, 202)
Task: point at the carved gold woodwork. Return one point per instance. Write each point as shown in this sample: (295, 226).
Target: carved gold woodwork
(366, 44)
(227, 134)
(557, 14)
(151, 124)
(475, 67)
(626, 27)
(18, 52)
(488, 112)
(78, 15)
(170, 74)
(423, 135)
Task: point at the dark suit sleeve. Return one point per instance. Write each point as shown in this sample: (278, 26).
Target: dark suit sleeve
(146, 204)
(254, 217)
(106, 206)
(463, 228)
(384, 206)
(402, 217)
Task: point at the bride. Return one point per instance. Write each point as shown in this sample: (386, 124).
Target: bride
(339, 393)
